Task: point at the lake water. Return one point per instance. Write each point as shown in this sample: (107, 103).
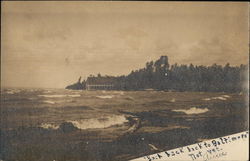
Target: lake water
(112, 125)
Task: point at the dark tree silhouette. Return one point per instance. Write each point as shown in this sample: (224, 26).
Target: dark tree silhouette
(159, 75)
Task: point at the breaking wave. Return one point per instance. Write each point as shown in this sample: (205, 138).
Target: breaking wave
(104, 122)
(93, 123)
(192, 110)
(223, 97)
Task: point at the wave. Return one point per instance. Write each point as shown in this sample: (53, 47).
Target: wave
(92, 123)
(172, 100)
(227, 96)
(49, 102)
(49, 126)
(119, 92)
(74, 95)
(47, 91)
(223, 97)
(59, 95)
(105, 97)
(104, 122)
(13, 91)
(192, 110)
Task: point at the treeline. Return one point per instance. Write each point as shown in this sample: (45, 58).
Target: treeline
(159, 75)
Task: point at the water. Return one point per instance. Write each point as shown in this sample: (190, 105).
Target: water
(58, 106)
(48, 108)
(116, 125)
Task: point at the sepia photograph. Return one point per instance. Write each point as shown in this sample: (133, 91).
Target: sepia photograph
(123, 80)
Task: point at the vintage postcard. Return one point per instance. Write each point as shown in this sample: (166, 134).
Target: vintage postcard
(124, 80)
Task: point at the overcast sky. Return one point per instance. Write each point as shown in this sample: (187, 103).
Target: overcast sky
(51, 44)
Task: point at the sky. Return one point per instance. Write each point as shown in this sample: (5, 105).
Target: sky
(50, 44)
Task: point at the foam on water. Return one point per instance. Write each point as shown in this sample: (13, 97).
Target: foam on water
(13, 91)
(223, 97)
(172, 100)
(104, 122)
(47, 91)
(207, 99)
(105, 97)
(227, 96)
(74, 95)
(59, 95)
(119, 92)
(49, 102)
(192, 110)
(49, 126)
(220, 98)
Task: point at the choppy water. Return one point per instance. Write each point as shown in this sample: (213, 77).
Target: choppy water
(105, 122)
(48, 108)
(77, 107)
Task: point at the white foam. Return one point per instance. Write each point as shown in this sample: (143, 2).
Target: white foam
(220, 98)
(105, 97)
(74, 95)
(10, 92)
(48, 91)
(53, 96)
(50, 102)
(49, 126)
(94, 123)
(223, 97)
(193, 110)
(227, 96)
(172, 100)
(59, 95)
(13, 91)
(119, 92)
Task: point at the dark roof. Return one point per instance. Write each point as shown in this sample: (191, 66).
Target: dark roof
(101, 80)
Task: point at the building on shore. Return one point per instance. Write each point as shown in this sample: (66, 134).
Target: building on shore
(100, 83)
